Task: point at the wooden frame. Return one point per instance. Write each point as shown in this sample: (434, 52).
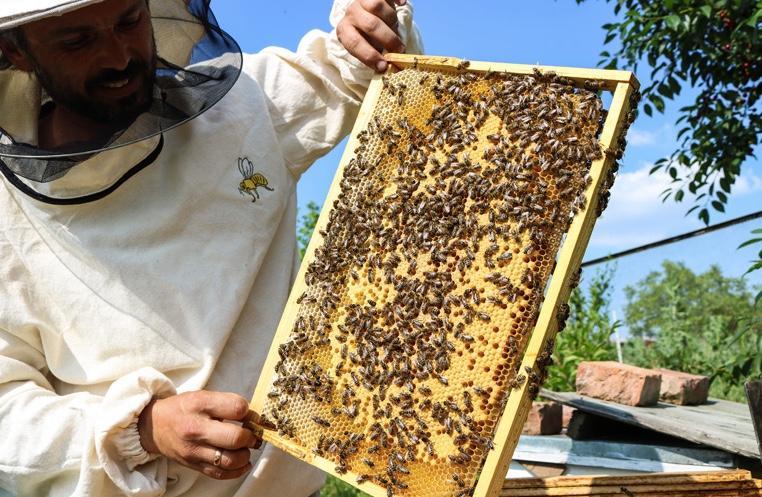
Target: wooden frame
(508, 429)
(723, 483)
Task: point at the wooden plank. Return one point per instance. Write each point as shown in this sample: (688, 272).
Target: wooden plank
(609, 78)
(721, 407)
(754, 394)
(729, 432)
(568, 262)
(635, 489)
(626, 492)
(735, 483)
(662, 478)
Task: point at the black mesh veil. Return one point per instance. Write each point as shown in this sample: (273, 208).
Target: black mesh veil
(197, 64)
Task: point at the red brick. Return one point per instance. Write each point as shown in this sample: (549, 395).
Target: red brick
(616, 382)
(545, 418)
(568, 411)
(683, 388)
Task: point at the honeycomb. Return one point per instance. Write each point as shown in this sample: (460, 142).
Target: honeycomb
(427, 282)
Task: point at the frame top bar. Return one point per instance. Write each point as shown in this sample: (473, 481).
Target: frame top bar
(608, 77)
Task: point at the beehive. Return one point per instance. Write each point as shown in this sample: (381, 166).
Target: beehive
(421, 324)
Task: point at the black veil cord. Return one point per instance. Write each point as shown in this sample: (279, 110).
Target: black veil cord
(15, 181)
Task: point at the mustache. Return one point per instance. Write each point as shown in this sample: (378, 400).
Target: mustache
(134, 68)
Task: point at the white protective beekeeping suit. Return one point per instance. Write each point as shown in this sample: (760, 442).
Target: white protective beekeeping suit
(145, 270)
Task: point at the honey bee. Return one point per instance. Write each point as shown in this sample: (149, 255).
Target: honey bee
(251, 180)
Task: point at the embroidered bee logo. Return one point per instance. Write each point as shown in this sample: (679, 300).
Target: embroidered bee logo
(251, 180)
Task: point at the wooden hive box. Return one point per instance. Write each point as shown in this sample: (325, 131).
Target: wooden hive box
(421, 323)
(734, 483)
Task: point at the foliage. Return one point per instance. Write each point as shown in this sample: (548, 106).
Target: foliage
(307, 227)
(710, 45)
(701, 323)
(587, 336)
(336, 488)
(756, 265)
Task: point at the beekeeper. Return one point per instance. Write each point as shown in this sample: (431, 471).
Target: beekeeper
(147, 235)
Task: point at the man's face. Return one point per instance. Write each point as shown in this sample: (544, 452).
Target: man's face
(98, 61)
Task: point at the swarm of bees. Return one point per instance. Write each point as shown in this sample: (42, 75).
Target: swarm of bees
(409, 339)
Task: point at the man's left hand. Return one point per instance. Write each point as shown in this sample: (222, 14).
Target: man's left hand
(369, 29)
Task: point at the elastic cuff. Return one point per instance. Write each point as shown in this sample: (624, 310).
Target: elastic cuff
(117, 440)
(127, 443)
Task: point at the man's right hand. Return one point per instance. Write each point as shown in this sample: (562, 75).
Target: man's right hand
(191, 427)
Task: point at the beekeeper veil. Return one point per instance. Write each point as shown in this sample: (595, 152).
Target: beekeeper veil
(197, 63)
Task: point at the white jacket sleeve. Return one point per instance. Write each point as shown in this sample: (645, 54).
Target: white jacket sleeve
(314, 94)
(78, 444)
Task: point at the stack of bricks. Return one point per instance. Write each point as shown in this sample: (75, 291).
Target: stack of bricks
(634, 386)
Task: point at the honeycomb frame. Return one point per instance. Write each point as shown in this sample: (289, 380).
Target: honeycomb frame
(510, 420)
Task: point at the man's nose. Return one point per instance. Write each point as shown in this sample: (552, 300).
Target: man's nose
(114, 53)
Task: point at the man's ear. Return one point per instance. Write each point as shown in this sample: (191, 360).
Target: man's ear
(15, 56)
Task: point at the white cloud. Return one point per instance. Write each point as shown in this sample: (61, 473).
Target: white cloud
(637, 195)
(636, 215)
(642, 138)
(638, 138)
(747, 183)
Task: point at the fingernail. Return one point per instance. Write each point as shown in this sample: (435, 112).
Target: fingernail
(381, 66)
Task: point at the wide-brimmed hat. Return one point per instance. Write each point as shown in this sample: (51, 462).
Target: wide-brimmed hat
(197, 64)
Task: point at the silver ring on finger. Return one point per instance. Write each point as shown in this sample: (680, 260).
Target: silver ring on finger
(217, 457)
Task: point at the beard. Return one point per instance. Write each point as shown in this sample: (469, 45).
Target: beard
(113, 112)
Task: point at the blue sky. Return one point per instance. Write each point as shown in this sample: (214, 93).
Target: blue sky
(545, 32)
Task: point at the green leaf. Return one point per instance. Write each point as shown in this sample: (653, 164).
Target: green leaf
(658, 102)
(665, 90)
(706, 10)
(754, 267)
(718, 206)
(674, 84)
(673, 21)
(647, 109)
(692, 210)
(704, 216)
(725, 184)
(679, 196)
(749, 242)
